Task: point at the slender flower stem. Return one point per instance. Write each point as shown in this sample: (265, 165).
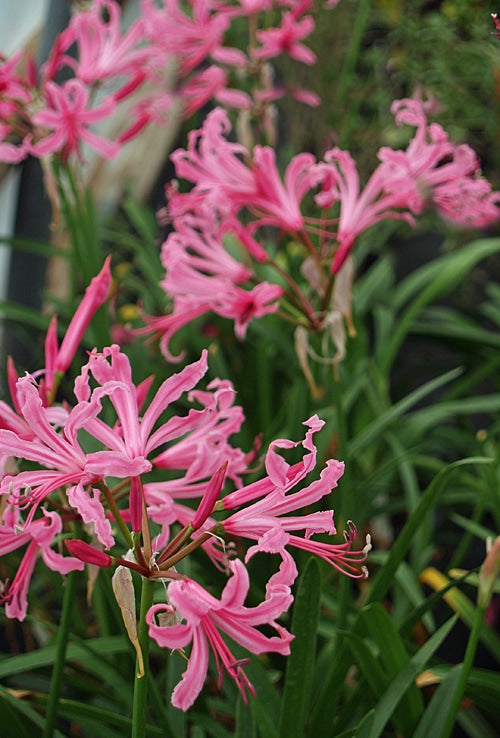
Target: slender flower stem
(302, 303)
(61, 644)
(175, 544)
(468, 661)
(140, 704)
(179, 555)
(304, 237)
(117, 514)
(328, 294)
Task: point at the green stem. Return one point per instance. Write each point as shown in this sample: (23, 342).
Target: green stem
(140, 704)
(468, 661)
(116, 514)
(60, 656)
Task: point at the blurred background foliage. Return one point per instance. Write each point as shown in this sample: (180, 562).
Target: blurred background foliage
(375, 51)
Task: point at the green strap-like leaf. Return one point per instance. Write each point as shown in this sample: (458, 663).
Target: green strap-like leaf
(434, 717)
(300, 666)
(404, 680)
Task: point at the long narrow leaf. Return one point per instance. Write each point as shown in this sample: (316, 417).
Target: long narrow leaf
(385, 419)
(382, 581)
(429, 283)
(299, 670)
(434, 717)
(394, 656)
(406, 678)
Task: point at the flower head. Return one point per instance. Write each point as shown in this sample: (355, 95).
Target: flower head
(206, 617)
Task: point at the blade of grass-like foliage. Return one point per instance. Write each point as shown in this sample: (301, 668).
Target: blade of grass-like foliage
(175, 666)
(365, 726)
(368, 663)
(458, 262)
(375, 282)
(60, 655)
(143, 220)
(429, 283)
(300, 664)
(333, 679)
(97, 718)
(381, 582)
(34, 247)
(25, 709)
(45, 656)
(208, 725)
(24, 315)
(404, 681)
(463, 606)
(385, 419)
(161, 707)
(465, 386)
(395, 659)
(483, 686)
(474, 724)
(266, 707)
(428, 417)
(245, 723)
(434, 717)
(471, 577)
(13, 726)
(450, 324)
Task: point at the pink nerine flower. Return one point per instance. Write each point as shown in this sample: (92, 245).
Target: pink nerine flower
(206, 616)
(266, 511)
(223, 182)
(63, 461)
(438, 170)
(211, 83)
(39, 535)
(358, 209)
(190, 39)
(103, 50)
(69, 116)
(10, 153)
(201, 277)
(286, 39)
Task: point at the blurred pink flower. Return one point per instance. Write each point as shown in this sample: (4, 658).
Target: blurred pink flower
(59, 358)
(189, 39)
(68, 115)
(10, 153)
(434, 169)
(359, 209)
(207, 84)
(286, 39)
(224, 182)
(103, 49)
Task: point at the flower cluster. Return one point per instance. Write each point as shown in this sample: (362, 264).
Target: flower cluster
(170, 58)
(237, 192)
(126, 482)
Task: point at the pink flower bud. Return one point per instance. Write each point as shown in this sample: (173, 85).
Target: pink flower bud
(210, 497)
(89, 554)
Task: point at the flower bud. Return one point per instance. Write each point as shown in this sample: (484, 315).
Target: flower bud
(89, 554)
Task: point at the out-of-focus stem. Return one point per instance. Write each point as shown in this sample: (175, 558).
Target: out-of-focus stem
(140, 704)
(60, 657)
